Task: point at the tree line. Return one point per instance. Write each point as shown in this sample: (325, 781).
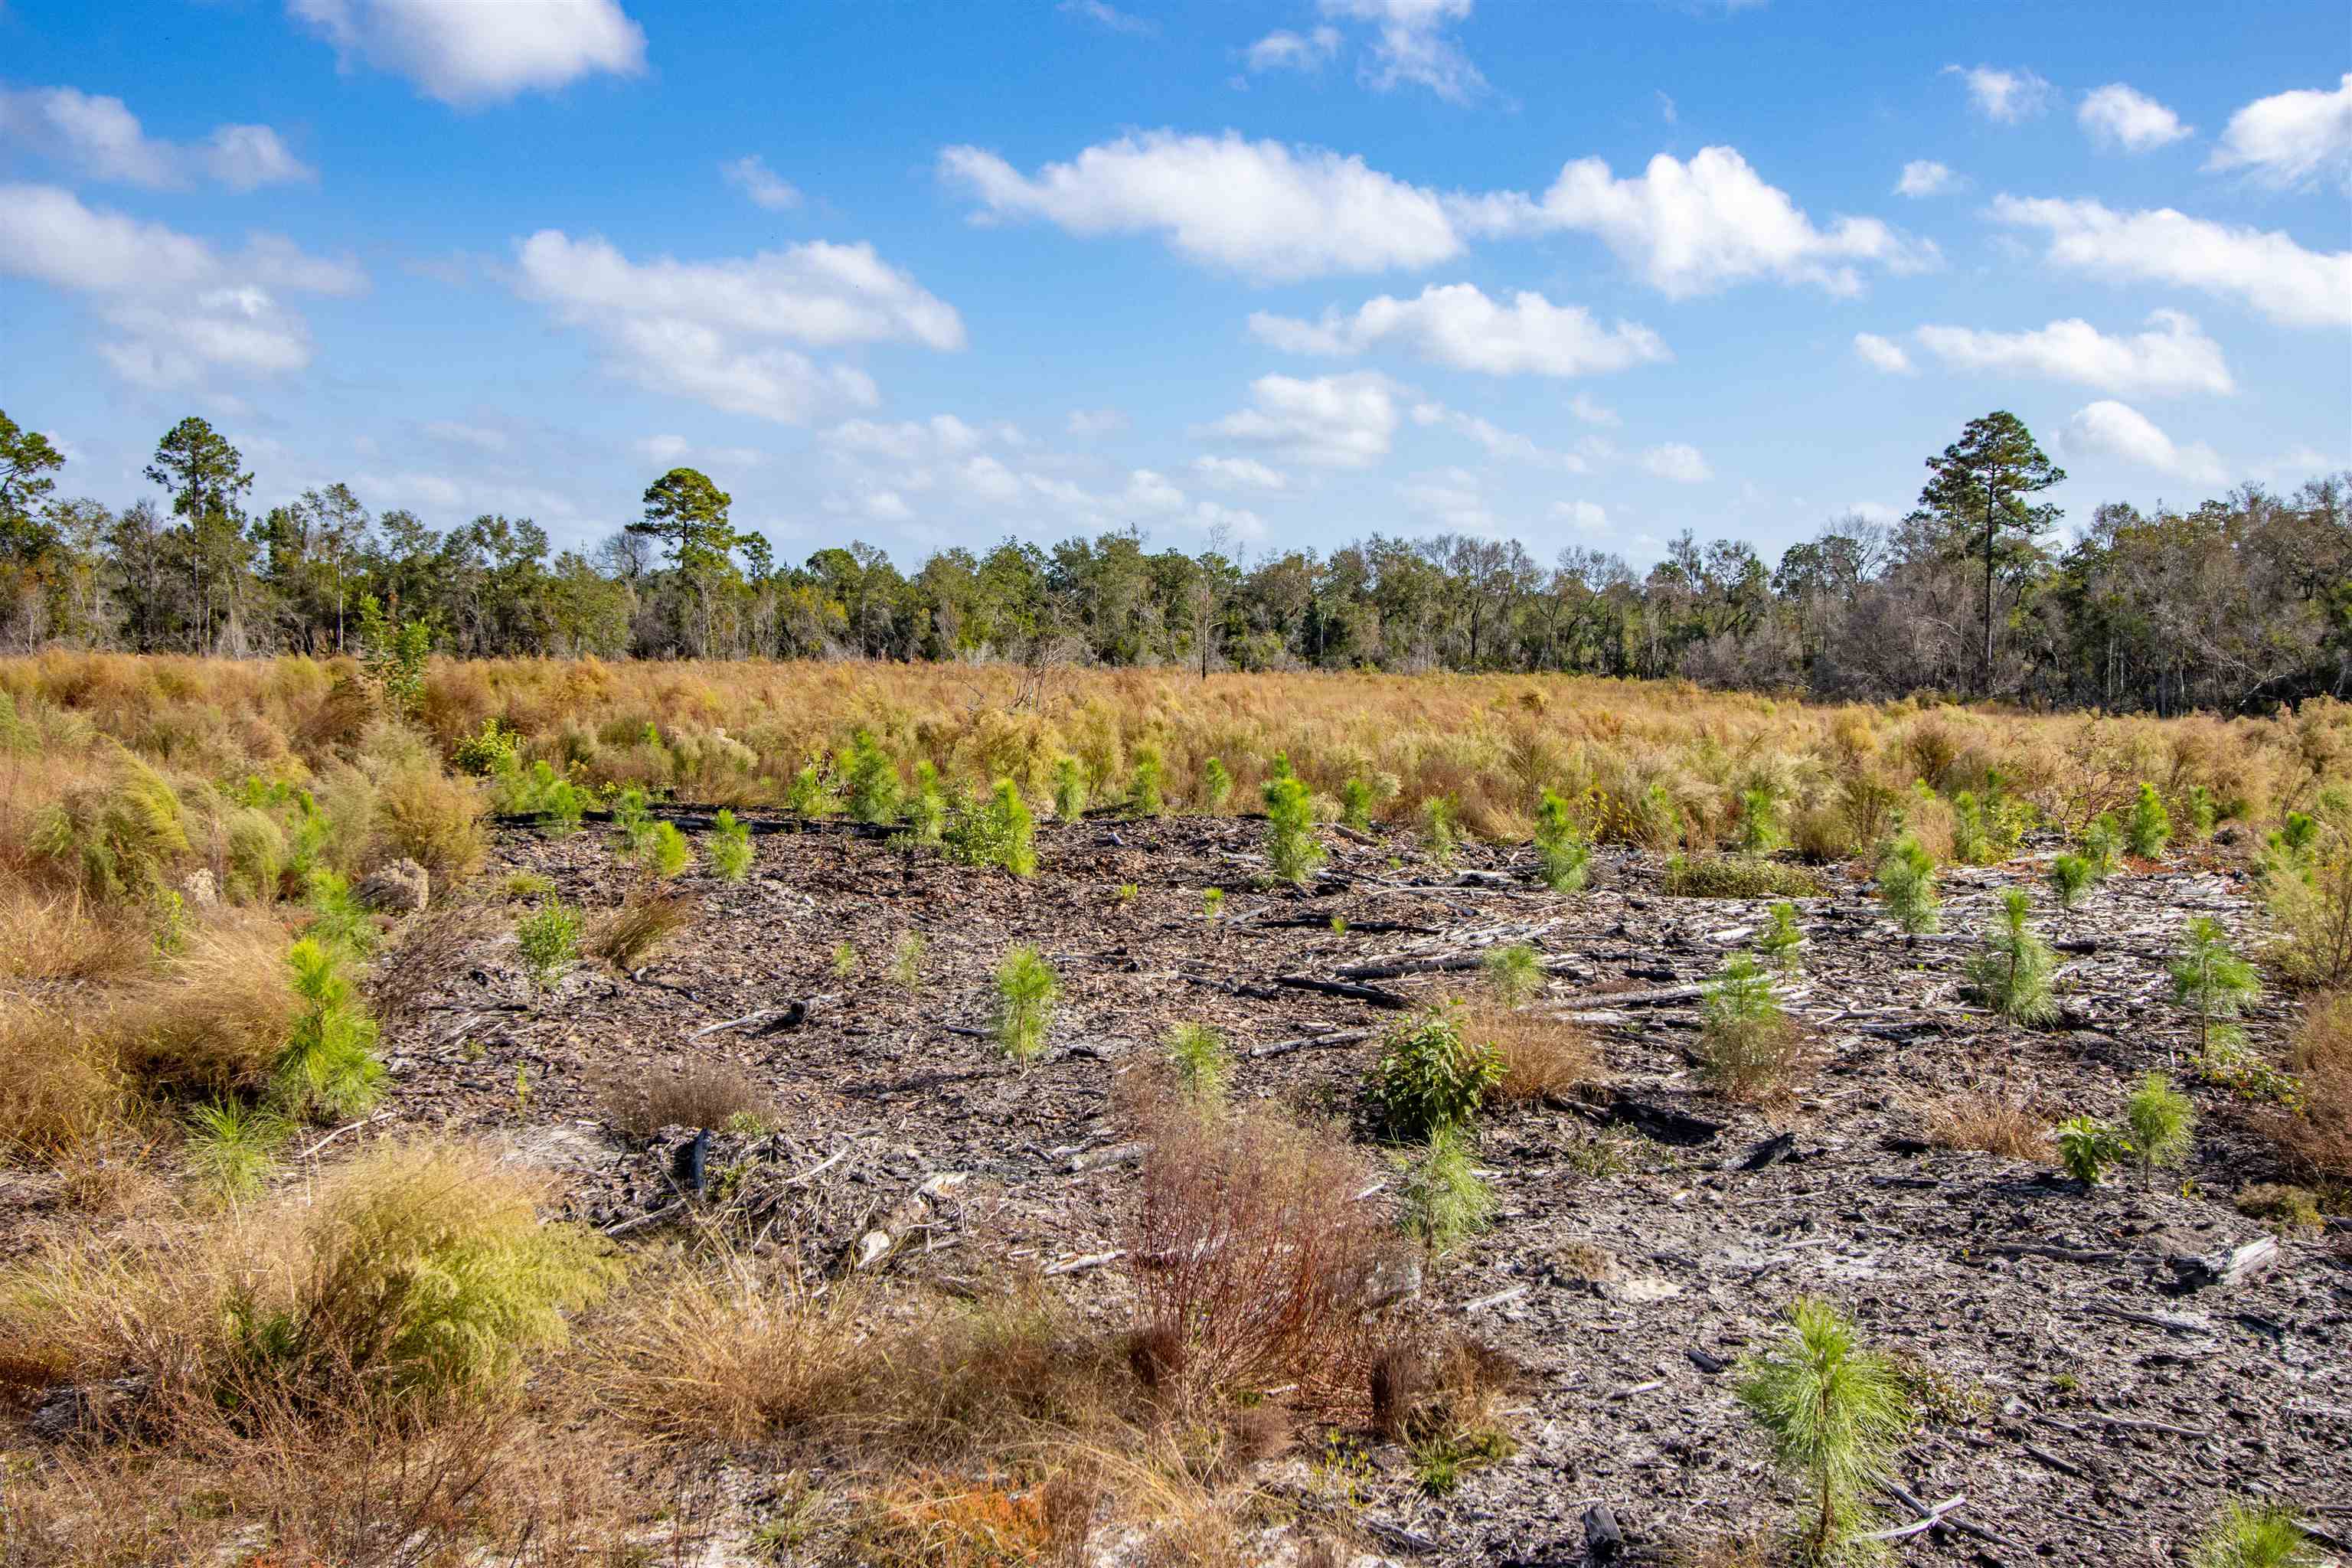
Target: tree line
(2237, 603)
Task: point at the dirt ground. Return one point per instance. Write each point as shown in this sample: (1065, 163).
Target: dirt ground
(2090, 1402)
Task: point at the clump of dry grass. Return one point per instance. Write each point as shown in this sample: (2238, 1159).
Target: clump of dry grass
(435, 818)
(432, 946)
(1989, 1121)
(66, 936)
(2320, 1136)
(701, 1094)
(1542, 1058)
(59, 1085)
(625, 937)
(214, 1019)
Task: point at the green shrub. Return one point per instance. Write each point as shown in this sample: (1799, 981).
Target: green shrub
(2248, 1536)
(1216, 786)
(117, 838)
(1356, 803)
(1906, 880)
(873, 780)
(1834, 1413)
(1026, 990)
(494, 750)
(2011, 975)
(999, 833)
(541, 792)
(1516, 973)
(1971, 844)
(1447, 1202)
(1561, 845)
(233, 1147)
(1070, 789)
(1145, 795)
(1759, 823)
(2308, 885)
(730, 847)
(2162, 1123)
(2203, 813)
(1290, 842)
(2087, 1146)
(926, 806)
(2071, 877)
(1778, 943)
(1748, 1046)
(2149, 829)
(548, 941)
(1429, 1079)
(1203, 1062)
(666, 852)
(1738, 876)
(328, 1065)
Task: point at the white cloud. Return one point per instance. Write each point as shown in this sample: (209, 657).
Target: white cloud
(1498, 442)
(751, 175)
(1257, 209)
(907, 441)
(2004, 97)
(1087, 423)
(1923, 177)
(1110, 16)
(100, 139)
(2267, 271)
(1882, 352)
(1150, 493)
(1449, 497)
(478, 51)
(2111, 429)
(2286, 139)
(671, 451)
(1213, 517)
(1332, 421)
(696, 328)
(1678, 461)
(1241, 474)
(1666, 111)
(1410, 46)
(1458, 325)
(481, 437)
(180, 307)
(1589, 516)
(1691, 228)
(1286, 50)
(462, 495)
(2172, 356)
(1592, 412)
(2117, 116)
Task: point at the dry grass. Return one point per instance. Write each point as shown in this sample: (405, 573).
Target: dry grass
(431, 947)
(1542, 1058)
(66, 936)
(700, 1094)
(435, 819)
(2320, 1137)
(1990, 1120)
(59, 1086)
(213, 1020)
(627, 936)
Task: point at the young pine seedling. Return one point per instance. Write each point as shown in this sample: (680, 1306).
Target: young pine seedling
(2210, 980)
(1026, 990)
(1447, 1202)
(548, 941)
(2162, 1123)
(1145, 795)
(2251, 1537)
(2011, 975)
(1561, 845)
(2071, 877)
(1290, 842)
(2103, 847)
(730, 847)
(667, 853)
(1212, 902)
(1438, 819)
(1835, 1412)
(926, 805)
(1216, 786)
(1356, 803)
(1906, 879)
(1514, 972)
(1778, 942)
(1759, 822)
(1203, 1063)
(2149, 828)
(906, 962)
(1747, 1043)
(1127, 892)
(1070, 789)
(233, 1148)
(845, 961)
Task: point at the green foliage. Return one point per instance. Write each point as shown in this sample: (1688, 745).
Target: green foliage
(874, 788)
(2103, 847)
(1429, 1079)
(2011, 975)
(730, 847)
(336, 917)
(1203, 1062)
(1216, 786)
(2247, 1074)
(2162, 1123)
(1760, 832)
(1906, 880)
(393, 654)
(493, 750)
(2209, 978)
(809, 794)
(2249, 1536)
(2087, 1146)
(1738, 876)
(119, 837)
(1145, 786)
(906, 962)
(1356, 803)
(2149, 828)
(1070, 789)
(1290, 843)
(845, 960)
(1778, 943)
(2071, 877)
(1212, 902)
(1971, 845)
(1440, 820)
(1561, 845)
(2287, 1210)
(1516, 973)
(1835, 1412)
(2307, 883)
(548, 941)
(633, 820)
(540, 791)
(328, 1065)
(1746, 1045)
(1026, 990)
(926, 806)
(1447, 1202)
(999, 833)
(233, 1148)
(666, 852)
(2203, 812)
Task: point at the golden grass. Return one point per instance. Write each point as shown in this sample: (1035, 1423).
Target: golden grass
(2320, 1136)
(1992, 1122)
(59, 1086)
(213, 1019)
(1542, 1057)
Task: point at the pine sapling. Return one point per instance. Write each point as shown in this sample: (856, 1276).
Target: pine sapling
(1747, 1043)
(1835, 1412)
(1216, 786)
(1439, 818)
(548, 939)
(1516, 973)
(1203, 1062)
(1561, 845)
(1759, 822)
(2247, 1536)
(906, 962)
(873, 777)
(233, 1148)
(1356, 803)
(1144, 788)
(1446, 1201)
(1026, 990)
(2011, 975)
(2149, 828)
(2214, 983)
(2103, 847)
(1291, 844)
(1070, 789)
(730, 847)
(1778, 943)
(2162, 1123)
(926, 805)
(1906, 879)
(666, 852)
(2071, 877)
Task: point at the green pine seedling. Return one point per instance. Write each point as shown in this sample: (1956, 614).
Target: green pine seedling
(328, 1065)
(2071, 877)
(845, 961)
(233, 1148)
(1144, 787)
(1778, 943)
(1835, 1412)
(1026, 990)
(1070, 789)
(1355, 804)
(2149, 828)
(926, 805)
(666, 853)
(1747, 1043)
(2011, 975)
(1906, 879)
(1290, 842)
(2162, 1125)
(2214, 983)
(1759, 822)
(1514, 972)
(1212, 902)
(549, 941)
(1439, 818)
(2103, 847)
(1561, 845)
(874, 786)
(906, 962)
(1216, 786)
(1203, 1062)
(1447, 1202)
(730, 847)
(2251, 1537)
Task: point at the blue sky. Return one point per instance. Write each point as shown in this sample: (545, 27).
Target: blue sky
(1283, 274)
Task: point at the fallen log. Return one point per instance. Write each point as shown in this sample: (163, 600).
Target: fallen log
(1371, 994)
(1310, 1042)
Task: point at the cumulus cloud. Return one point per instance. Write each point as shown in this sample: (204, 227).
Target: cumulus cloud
(1882, 352)
(177, 306)
(1087, 423)
(1691, 228)
(2111, 429)
(913, 440)
(1284, 50)
(713, 331)
(2003, 97)
(1589, 516)
(1923, 177)
(2287, 139)
(99, 137)
(1241, 474)
(1411, 46)
(466, 52)
(1458, 325)
(1331, 421)
(2117, 116)
(751, 175)
(2265, 270)
(1678, 461)
(1449, 497)
(1498, 442)
(2173, 355)
(1257, 209)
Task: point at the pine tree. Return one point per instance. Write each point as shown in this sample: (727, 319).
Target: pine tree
(2210, 978)
(1976, 491)
(1835, 1412)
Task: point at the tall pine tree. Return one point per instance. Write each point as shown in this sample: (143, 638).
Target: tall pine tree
(1977, 492)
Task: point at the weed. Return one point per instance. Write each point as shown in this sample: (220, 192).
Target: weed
(2307, 883)
(730, 847)
(1127, 892)
(2254, 1536)
(1906, 880)
(1778, 943)
(117, 837)
(699, 1094)
(906, 962)
(1835, 1412)
(233, 1148)
(1993, 1121)
(492, 750)
(1447, 1202)
(810, 795)
(2210, 978)
(2162, 1123)
(2011, 975)
(845, 960)
(2070, 877)
(548, 941)
(1001, 833)
(1939, 1395)
(2149, 829)
(1515, 973)
(1738, 876)
(522, 1090)
(625, 937)
(1203, 1062)
(527, 885)
(1748, 1046)
(2087, 1146)
(1429, 1079)
(2287, 1210)
(1216, 786)
(1026, 990)
(1290, 843)
(2321, 1137)
(1561, 845)
(1356, 803)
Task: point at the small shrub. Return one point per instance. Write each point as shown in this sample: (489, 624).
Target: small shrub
(2251, 1536)
(1203, 1062)
(2287, 1210)
(2086, 1147)
(809, 794)
(233, 1148)
(2070, 878)
(2209, 978)
(1002, 833)
(1145, 786)
(2161, 1121)
(1738, 876)
(1212, 902)
(906, 962)
(1290, 842)
(1447, 1202)
(1542, 1058)
(730, 847)
(1356, 803)
(1835, 1412)
(2149, 829)
(1906, 880)
(491, 751)
(1440, 821)
(1759, 823)
(328, 1065)
(1429, 1078)
(2307, 883)
(548, 941)
(2011, 975)
(666, 851)
(1515, 973)
(1778, 943)
(1070, 789)
(625, 937)
(1748, 1046)
(1216, 786)
(1561, 845)
(1026, 990)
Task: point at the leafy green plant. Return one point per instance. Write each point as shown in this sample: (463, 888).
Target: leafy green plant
(2212, 981)
(1778, 943)
(2011, 975)
(2308, 884)
(1127, 892)
(809, 794)
(1000, 832)
(548, 941)
(666, 852)
(1440, 822)
(1906, 880)
(1447, 1202)
(1516, 973)
(539, 791)
(492, 750)
(1203, 1062)
(1216, 786)
(233, 1148)
(845, 960)
(872, 780)
(2252, 1536)
(2149, 828)
(1291, 845)
(1561, 845)
(1356, 803)
(1429, 1078)
(2087, 1146)
(906, 962)
(1026, 990)
(2162, 1123)
(2286, 1210)
(1146, 785)
(2071, 877)
(926, 805)
(730, 847)
(1748, 1046)
(1835, 1412)
(1070, 789)
(393, 654)
(328, 1062)
(1760, 831)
